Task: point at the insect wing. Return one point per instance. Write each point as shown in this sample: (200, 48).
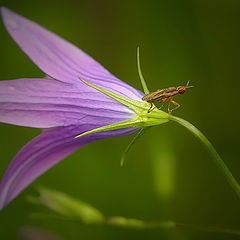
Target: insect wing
(153, 96)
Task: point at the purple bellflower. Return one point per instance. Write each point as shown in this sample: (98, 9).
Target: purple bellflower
(78, 97)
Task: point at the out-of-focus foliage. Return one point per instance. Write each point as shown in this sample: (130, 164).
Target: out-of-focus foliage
(69, 207)
(179, 40)
(72, 209)
(75, 209)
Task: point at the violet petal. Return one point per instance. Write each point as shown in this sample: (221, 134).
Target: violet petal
(42, 153)
(45, 103)
(60, 59)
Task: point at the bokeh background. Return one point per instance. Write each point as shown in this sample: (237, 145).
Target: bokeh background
(168, 175)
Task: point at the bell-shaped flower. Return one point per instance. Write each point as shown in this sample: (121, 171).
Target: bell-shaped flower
(62, 104)
(78, 102)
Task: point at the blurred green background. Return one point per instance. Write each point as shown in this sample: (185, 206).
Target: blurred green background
(168, 175)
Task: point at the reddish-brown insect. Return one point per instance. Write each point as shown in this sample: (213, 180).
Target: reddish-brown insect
(166, 95)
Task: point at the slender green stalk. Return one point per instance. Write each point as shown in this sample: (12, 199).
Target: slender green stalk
(209, 229)
(220, 163)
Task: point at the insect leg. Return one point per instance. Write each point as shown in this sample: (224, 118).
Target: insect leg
(149, 110)
(161, 106)
(169, 107)
(175, 103)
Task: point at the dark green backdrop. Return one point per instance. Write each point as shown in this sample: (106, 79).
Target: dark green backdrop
(168, 175)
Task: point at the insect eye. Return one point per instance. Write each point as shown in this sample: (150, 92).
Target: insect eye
(181, 91)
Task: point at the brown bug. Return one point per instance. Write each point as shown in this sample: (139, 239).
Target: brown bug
(166, 95)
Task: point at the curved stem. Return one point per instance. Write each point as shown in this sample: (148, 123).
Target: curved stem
(143, 82)
(218, 160)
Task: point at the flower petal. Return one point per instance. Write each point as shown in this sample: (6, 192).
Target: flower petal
(47, 103)
(42, 153)
(60, 59)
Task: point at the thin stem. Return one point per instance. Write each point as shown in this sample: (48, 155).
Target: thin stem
(220, 163)
(209, 229)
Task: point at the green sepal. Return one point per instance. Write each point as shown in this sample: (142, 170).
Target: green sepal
(135, 122)
(132, 104)
(142, 119)
(143, 82)
(123, 124)
(134, 140)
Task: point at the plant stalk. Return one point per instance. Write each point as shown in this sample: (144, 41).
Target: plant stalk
(218, 160)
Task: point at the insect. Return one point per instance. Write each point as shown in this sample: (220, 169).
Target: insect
(165, 95)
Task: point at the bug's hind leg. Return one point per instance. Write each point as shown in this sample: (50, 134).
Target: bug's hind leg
(161, 107)
(175, 103)
(169, 107)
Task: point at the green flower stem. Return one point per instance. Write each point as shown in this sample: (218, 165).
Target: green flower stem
(218, 160)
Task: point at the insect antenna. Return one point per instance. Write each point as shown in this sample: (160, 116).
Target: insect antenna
(188, 84)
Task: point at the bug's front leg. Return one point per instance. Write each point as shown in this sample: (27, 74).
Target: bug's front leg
(169, 107)
(175, 103)
(150, 109)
